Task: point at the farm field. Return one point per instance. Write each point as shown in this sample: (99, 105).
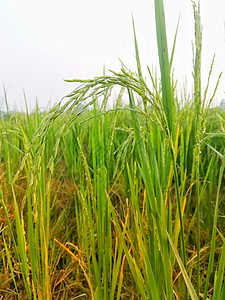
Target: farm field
(122, 202)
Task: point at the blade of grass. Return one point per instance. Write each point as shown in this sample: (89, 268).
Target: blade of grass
(217, 291)
(187, 280)
(213, 238)
(167, 96)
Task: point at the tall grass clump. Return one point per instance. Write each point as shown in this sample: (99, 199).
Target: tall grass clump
(120, 203)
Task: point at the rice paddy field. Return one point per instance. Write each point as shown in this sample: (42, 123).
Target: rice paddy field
(122, 202)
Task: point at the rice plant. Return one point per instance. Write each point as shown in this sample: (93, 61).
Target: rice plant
(119, 203)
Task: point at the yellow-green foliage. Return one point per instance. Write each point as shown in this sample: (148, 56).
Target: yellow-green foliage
(120, 203)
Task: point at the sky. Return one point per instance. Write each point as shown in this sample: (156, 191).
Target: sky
(44, 42)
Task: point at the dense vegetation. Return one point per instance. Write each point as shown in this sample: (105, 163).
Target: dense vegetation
(120, 203)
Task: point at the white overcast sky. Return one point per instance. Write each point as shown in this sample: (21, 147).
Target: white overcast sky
(46, 41)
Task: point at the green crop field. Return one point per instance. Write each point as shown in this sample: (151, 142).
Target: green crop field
(122, 202)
